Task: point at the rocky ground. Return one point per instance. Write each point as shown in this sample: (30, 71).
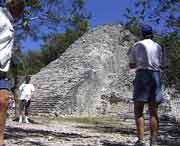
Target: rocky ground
(111, 131)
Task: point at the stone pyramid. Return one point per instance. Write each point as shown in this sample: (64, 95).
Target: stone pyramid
(89, 78)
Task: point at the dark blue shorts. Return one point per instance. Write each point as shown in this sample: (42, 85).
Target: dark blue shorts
(147, 86)
(4, 84)
(24, 105)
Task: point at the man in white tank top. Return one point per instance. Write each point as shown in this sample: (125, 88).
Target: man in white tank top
(147, 57)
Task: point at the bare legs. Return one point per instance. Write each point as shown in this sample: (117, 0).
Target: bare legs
(154, 121)
(24, 108)
(139, 118)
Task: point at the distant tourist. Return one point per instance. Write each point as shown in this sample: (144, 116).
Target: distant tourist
(26, 91)
(8, 11)
(147, 57)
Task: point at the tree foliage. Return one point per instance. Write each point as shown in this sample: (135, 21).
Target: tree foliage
(171, 42)
(164, 15)
(57, 23)
(43, 17)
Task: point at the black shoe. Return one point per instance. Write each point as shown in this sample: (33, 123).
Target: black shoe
(139, 143)
(153, 143)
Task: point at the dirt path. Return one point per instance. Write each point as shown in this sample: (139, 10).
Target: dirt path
(99, 132)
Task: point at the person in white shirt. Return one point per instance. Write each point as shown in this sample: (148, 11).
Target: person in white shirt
(26, 91)
(147, 57)
(12, 9)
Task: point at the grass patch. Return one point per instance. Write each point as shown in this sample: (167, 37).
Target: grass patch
(91, 120)
(97, 121)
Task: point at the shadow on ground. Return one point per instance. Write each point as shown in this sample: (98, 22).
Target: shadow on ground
(111, 129)
(109, 143)
(30, 121)
(20, 135)
(169, 131)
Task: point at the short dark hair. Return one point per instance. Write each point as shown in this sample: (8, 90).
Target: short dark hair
(27, 79)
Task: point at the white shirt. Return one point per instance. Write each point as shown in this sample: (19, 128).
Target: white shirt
(26, 91)
(6, 39)
(146, 54)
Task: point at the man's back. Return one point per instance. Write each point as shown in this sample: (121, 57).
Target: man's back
(146, 54)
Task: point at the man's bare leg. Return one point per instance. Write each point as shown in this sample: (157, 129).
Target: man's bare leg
(21, 107)
(139, 118)
(4, 97)
(154, 120)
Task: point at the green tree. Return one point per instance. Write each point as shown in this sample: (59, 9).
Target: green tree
(57, 23)
(171, 42)
(162, 14)
(44, 17)
(56, 43)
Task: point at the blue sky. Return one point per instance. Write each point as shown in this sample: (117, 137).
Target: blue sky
(108, 11)
(103, 12)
